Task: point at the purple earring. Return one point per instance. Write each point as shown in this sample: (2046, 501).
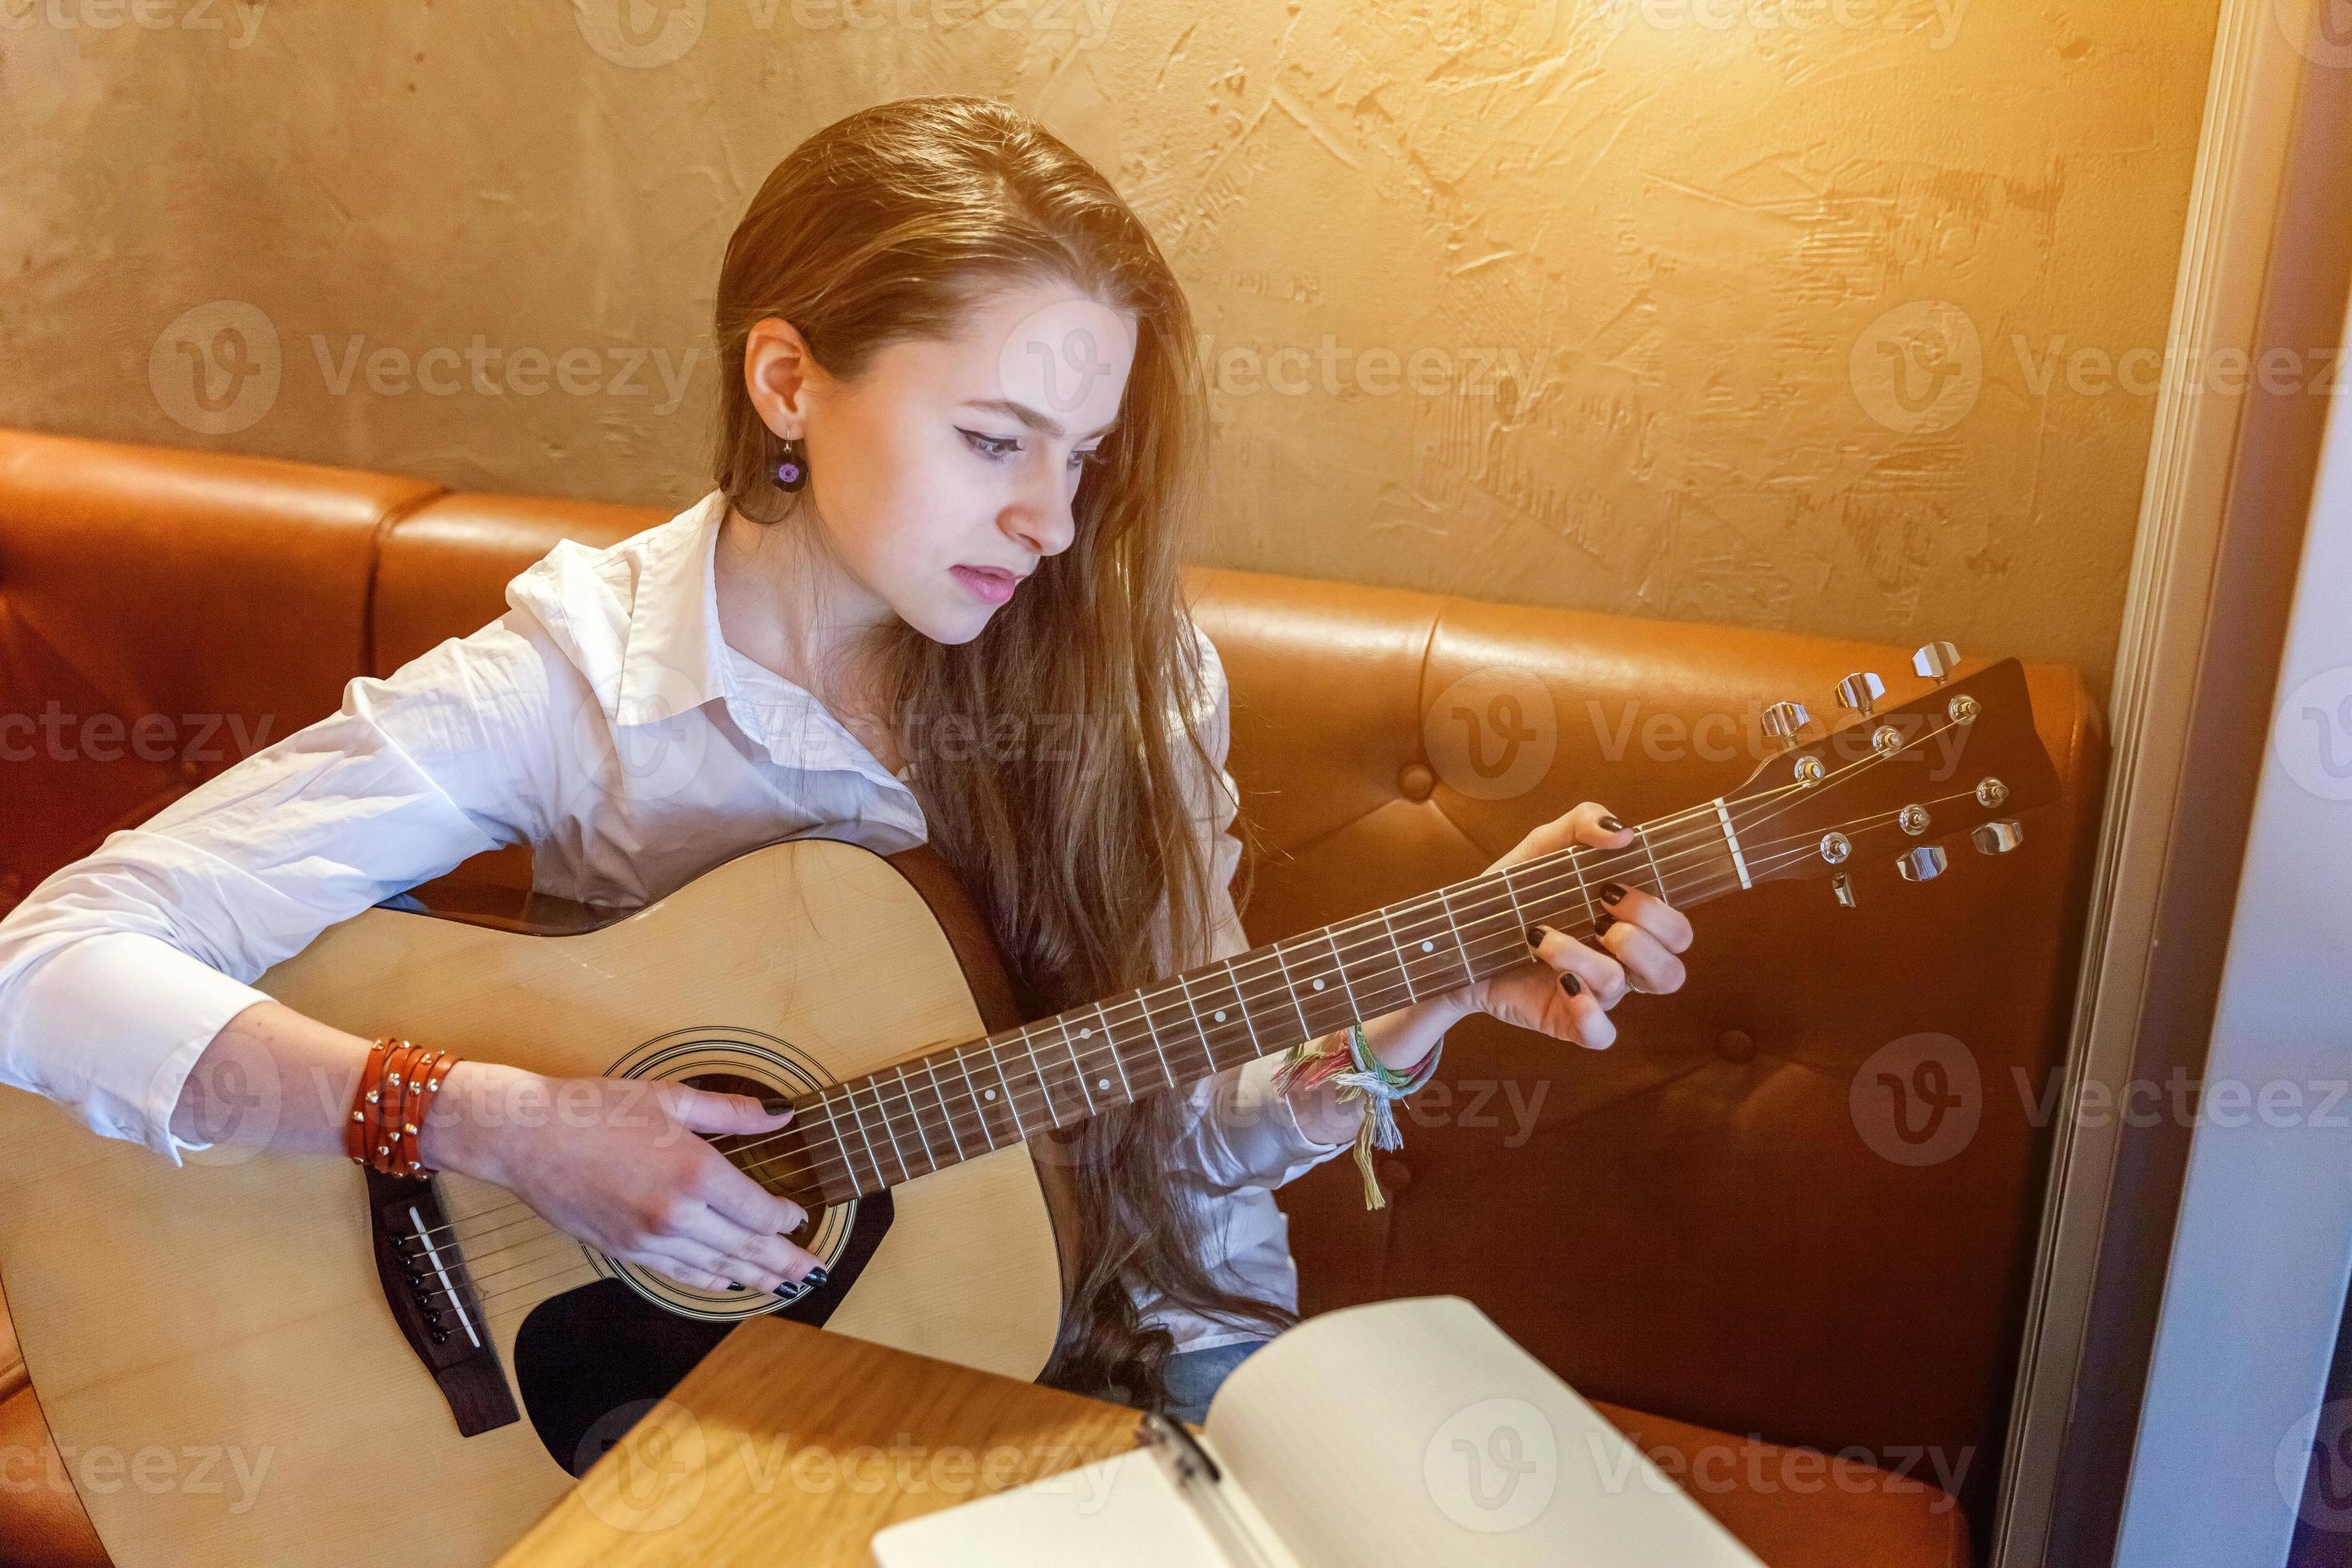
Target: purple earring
(793, 472)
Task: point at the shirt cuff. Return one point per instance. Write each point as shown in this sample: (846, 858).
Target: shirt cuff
(111, 1025)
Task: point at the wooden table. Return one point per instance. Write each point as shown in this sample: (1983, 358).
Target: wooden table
(791, 1445)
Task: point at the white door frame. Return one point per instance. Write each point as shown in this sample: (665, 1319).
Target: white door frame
(2271, 67)
(2263, 1252)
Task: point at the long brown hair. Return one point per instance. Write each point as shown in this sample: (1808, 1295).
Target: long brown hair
(1077, 839)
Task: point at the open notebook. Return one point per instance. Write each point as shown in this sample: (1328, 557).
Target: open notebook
(1404, 1431)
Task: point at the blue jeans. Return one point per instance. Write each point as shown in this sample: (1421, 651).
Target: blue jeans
(1194, 1376)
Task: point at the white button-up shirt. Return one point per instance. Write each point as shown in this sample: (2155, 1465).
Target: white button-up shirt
(603, 720)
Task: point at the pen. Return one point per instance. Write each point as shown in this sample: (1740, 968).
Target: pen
(1199, 1479)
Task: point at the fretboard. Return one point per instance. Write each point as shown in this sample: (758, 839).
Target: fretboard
(920, 1115)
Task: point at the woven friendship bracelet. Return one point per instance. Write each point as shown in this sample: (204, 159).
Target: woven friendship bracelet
(1361, 1075)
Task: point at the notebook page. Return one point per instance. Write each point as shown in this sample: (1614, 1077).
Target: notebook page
(1416, 1432)
(1125, 1511)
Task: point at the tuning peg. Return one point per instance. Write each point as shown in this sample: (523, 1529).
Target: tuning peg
(1842, 886)
(1859, 691)
(1935, 660)
(1783, 720)
(1922, 863)
(1998, 837)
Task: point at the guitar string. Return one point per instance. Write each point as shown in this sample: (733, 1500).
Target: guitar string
(814, 1128)
(1384, 1000)
(1771, 855)
(1706, 839)
(1144, 1005)
(1259, 970)
(539, 1244)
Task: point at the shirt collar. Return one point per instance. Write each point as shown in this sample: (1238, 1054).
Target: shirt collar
(675, 656)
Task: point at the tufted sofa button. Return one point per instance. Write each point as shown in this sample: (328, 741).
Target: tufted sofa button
(1416, 781)
(1395, 1176)
(1735, 1046)
(191, 769)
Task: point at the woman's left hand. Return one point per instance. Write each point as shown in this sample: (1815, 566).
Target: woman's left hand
(1567, 987)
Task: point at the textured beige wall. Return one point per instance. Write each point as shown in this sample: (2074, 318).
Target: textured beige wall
(1712, 310)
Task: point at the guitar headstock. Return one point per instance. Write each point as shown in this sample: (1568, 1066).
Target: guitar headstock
(1959, 761)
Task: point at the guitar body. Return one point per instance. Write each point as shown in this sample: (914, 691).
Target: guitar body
(228, 1328)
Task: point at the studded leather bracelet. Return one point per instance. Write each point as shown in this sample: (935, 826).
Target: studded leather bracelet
(397, 1087)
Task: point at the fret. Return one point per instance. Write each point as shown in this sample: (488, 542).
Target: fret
(1583, 892)
(973, 1090)
(1431, 919)
(1501, 912)
(1153, 1031)
(944, 1111)
(1642, 834)
(1075, 1065)
(825, 1102)
(1232, 978)
(1512, 894)
(903, 1173)
(1111, 1041)
(996, 1060)
(1221, 1009)
(1461, 949)
(928, 1158)
(1292, 986)
(1207, 1051)
(1042, 1088)
(871, 1158)
(1331, 941)
(1402, 967)
(1332, 1010)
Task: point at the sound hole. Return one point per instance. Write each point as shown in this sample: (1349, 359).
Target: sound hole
(778, 1161)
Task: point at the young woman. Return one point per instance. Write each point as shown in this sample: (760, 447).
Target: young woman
(957, 441)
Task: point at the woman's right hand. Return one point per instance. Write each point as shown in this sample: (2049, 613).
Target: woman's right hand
(616, 1163)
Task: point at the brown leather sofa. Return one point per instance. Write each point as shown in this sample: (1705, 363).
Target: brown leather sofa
(1691, 1223)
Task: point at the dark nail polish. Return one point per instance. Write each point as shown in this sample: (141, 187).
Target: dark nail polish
(1567, 982)
(1604, 924)
(1610, 824)
(732, 1286)
(1612, 893)
(1535, 936)
(815, 1277)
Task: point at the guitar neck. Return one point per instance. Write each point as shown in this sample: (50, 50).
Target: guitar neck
(873, 1132)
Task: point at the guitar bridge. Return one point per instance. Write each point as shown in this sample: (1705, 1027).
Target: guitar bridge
(434, 1300)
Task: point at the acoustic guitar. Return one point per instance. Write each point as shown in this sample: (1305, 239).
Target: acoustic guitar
(231, 1339)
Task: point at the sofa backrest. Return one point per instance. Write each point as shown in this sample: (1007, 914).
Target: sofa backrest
(1697, 1223)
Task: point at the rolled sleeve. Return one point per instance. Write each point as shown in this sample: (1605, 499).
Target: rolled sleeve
(118, 969)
